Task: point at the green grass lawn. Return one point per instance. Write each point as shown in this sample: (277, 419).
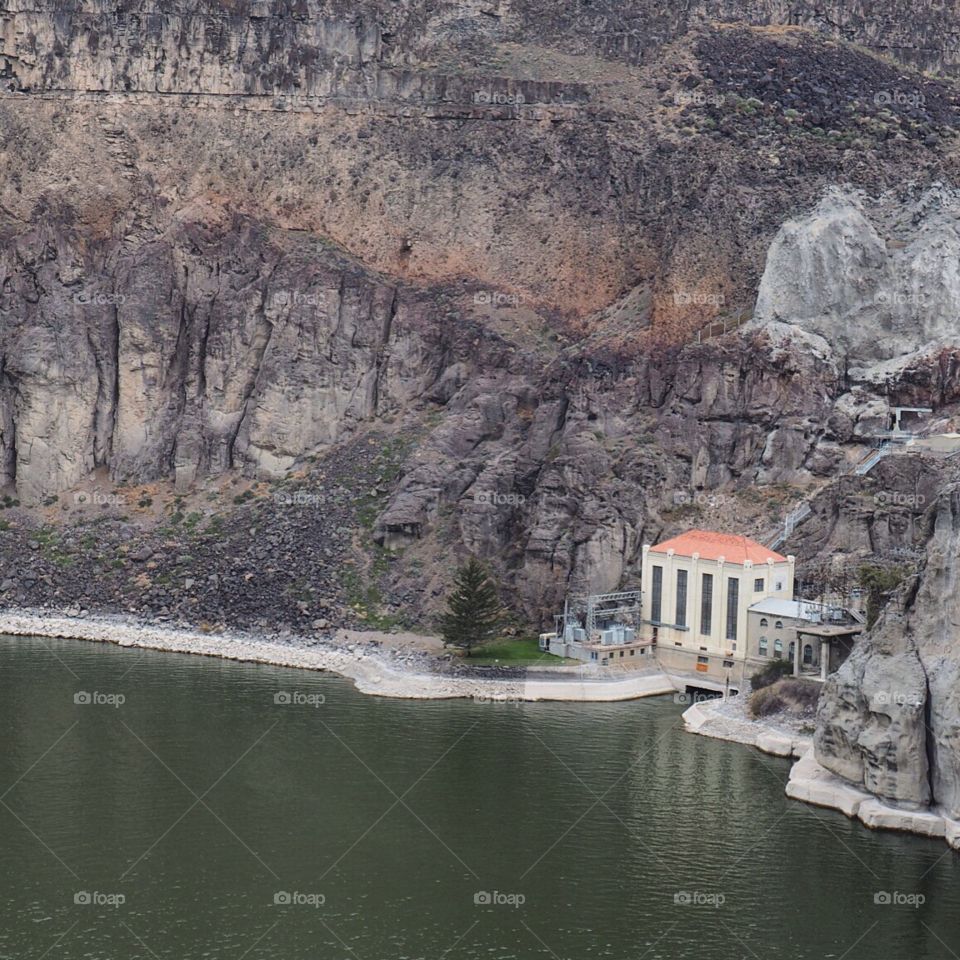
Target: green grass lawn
(510, 651)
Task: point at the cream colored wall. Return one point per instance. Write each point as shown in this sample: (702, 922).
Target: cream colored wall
(715, 642)
(683, 663)
(788, 634)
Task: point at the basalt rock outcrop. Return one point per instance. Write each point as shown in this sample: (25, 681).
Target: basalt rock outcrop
(192, 352)
(877, 280)
(889, 719)
(324, 46)
(569, 485)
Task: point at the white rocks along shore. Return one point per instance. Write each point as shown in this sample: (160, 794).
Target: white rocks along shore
(815, 784)
(728, 720)
(371, 670)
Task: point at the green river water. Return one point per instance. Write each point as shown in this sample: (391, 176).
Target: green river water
(201, 818)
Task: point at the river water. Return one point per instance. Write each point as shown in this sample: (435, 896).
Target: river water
(189, 807)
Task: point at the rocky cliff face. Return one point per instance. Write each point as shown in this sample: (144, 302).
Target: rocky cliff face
(193, 352)
(888, 718)
(237, 240)
(572, 482)
(198, 276)
(877, 280)
(327, 47)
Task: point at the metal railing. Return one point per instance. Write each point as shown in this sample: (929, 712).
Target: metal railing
(719, 327)
(792, 520)
(865, 466)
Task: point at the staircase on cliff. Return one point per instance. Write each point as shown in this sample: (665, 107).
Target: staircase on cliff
(803, 510)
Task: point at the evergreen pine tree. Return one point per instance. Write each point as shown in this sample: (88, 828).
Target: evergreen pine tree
(474, 614)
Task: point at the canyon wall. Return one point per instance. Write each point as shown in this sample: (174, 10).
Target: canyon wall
(877, 280)
(235, 237)
(313, 48)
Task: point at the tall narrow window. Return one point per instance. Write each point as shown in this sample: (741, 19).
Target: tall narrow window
(706, 605)
(733, 603)
(681, 618)
(657, 588)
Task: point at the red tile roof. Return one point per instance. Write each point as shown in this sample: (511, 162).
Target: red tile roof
(711, 546)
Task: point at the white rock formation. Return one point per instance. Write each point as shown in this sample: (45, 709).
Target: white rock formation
(877, 280)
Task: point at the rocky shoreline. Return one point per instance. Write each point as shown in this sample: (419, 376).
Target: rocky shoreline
(373, 670)
(816, 785)
(811, 783)
(727, 720)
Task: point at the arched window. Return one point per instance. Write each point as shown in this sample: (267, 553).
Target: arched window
(763, 646)
(763, 622)
(807, 654)
(793, 648)
(778, 647)
(779, 625)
